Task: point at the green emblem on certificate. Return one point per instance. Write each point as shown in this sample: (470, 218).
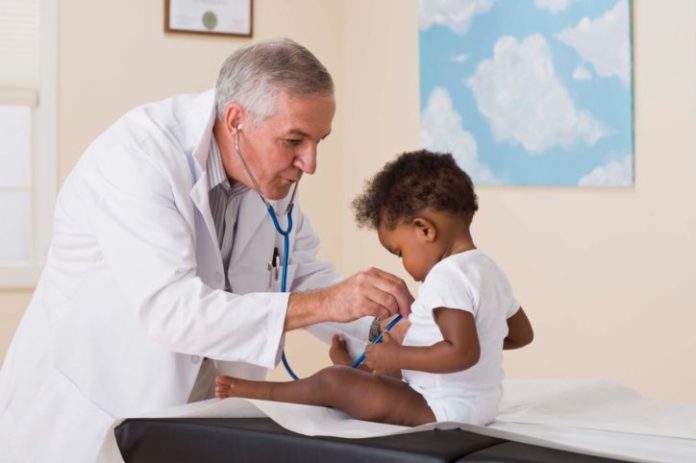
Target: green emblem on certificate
(209, 20)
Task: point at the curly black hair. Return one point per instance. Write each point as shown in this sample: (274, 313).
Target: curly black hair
(413, 182)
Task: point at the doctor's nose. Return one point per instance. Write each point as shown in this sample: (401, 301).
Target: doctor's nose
(306, 158)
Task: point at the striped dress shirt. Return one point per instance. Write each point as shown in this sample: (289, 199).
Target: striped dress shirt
(224, 196)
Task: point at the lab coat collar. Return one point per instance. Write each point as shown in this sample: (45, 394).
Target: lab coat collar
(200, 136)
(199, 123)
(199, 196)
(252, 210)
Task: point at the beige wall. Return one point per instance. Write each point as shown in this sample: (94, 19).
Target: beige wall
(604, 275)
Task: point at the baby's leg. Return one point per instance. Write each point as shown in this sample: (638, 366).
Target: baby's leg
(360, 394)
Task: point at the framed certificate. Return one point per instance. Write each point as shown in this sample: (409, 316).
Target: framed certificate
(215, 17)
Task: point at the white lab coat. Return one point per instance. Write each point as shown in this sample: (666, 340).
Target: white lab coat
(131, 298)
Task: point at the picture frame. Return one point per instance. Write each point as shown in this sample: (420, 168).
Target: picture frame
(544, 102)
(209, 17)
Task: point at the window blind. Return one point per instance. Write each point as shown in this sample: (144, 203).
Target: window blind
(19, 52)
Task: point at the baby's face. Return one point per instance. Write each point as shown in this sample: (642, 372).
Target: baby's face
(408, 243)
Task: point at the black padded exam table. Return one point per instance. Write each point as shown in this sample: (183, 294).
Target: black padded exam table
(231, 440)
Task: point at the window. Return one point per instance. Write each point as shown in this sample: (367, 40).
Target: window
(27, 137)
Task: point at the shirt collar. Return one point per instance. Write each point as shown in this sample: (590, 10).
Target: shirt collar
(216, 172)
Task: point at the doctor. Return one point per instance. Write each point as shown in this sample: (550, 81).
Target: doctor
(158, 272)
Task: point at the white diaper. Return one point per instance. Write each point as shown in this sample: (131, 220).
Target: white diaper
(479, 408)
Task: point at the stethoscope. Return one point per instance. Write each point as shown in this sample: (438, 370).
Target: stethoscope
(285, 233)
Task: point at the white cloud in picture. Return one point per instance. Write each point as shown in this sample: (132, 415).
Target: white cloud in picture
(459, 58)
(582, 73)
(524, 101)
(603, 42)
(613, 173)
(442, 131)
(553, 6)
(454, 14)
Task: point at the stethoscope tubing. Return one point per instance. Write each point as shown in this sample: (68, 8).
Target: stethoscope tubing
(284, 269)
(377, 340)
(286, 252)
(284, 233)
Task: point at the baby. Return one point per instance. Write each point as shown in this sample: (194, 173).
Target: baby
(449, 367)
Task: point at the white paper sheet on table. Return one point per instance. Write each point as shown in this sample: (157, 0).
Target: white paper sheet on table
(598, 417)
(587, 416)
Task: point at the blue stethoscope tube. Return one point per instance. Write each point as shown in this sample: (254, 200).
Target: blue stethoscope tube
(284, 267)
(283, 286)
(377, 340)
(286, 252)
(285, 233)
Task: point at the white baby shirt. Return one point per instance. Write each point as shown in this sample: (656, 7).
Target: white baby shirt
(468, 281)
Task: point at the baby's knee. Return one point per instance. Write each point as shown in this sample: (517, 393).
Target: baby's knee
(333, 378)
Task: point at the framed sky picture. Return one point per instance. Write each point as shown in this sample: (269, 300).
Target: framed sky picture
(529, 92)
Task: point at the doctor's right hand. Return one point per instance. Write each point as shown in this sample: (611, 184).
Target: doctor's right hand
(372, 292)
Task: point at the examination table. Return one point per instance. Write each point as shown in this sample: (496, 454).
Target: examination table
(229, 440)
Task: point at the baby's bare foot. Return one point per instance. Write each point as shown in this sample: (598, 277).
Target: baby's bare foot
(227, 386)
(339, 352)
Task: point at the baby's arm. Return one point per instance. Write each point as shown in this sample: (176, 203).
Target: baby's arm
(458, 350)
(520, 331)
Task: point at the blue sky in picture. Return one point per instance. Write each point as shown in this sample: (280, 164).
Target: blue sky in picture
(529, 92)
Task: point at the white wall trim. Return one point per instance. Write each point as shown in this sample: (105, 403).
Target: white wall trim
(25, 275)
(19, 97)
(19, 276)
(45, 167)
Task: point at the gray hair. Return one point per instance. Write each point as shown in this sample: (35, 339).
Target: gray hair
(253, 76)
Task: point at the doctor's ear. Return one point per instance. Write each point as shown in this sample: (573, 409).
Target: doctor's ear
(234, 113)
(425, 229)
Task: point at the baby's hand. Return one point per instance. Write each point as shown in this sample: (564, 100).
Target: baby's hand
(339, 352)
(383, 358)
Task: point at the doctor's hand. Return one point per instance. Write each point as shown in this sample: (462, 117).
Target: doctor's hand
(372, 292)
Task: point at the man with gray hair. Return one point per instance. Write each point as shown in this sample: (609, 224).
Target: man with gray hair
(163, 268)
